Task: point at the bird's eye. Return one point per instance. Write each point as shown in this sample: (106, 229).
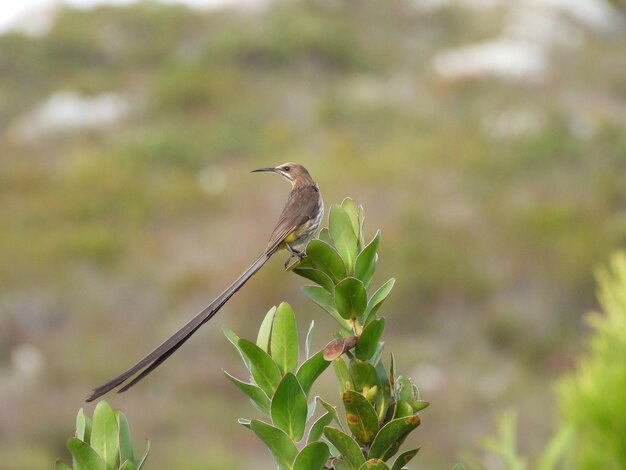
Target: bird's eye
(285, 168)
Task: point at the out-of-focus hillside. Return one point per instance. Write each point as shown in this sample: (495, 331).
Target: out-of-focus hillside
(486, 139)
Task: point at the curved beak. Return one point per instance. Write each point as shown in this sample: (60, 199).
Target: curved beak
(269, 168)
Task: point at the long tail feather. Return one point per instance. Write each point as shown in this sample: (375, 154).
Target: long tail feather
(170, 345)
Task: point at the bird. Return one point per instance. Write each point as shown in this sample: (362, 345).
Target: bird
(297, 224)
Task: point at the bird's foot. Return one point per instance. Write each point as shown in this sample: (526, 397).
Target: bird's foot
(298, 255)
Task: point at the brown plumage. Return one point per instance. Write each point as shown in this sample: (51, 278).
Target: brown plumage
(297, 224)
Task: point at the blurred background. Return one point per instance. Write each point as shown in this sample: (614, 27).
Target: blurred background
(485, 138)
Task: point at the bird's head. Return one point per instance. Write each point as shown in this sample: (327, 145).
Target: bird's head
(295, 173)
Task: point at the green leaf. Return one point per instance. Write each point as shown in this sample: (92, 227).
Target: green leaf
(404, 389)
(363, 374)
(325, 236)
(127, 465)
(234, 340)
(325, 300)
(404, 458)
(60, 465)
(309, 338)
(458, 466)
(339, 464)
(348, 447)
(315, 275)
(343, 376)
(265, 331)
(383, 398)
(344, 236)
(374, 464)
(361, 213)
(325, 258)
(84, 457)
(310, 370)
(350, 298)
(279, 444)
(391, 436)
(366, 261)
(257, 395)
(264, 370)
(368, 341)
(289, 407)
(318, 427)
(331, 409)
(360, 416)
(377, 300)
(125, 441)
(312, 457)
(139, 462)
(349, 207)
(403, 409)
(284, 340)
(104, 435)
(419, 405)
(83, 426)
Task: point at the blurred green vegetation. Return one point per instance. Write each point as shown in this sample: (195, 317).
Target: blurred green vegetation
(112, 236)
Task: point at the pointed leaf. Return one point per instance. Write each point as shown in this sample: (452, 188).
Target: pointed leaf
(366, 261)
(343, 376)
(289, 407)
(343, 234)
(84, 457)
(419, 405)
(368, 341)
(310, 370)
(265, 331)
(140, 462)
(391, 436)
(317, 276)
(325, 300)
(256, 394)
(318, 427)
(125, 441)
(350, 298)
(377, 300)
(246, 423)
(264, 370)
(279, 444)
(404, 390)
(83, 426)
(325, 258)
(60, 465)
(332, 410)
(284, 341)
(309, 338)
(127, 465)
(374, 464)
(104, 434)
(360, 416)
(312, 457)
(404, 458)
(348, 447)
(234, 340)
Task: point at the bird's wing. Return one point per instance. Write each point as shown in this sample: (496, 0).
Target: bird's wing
(302, 205)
